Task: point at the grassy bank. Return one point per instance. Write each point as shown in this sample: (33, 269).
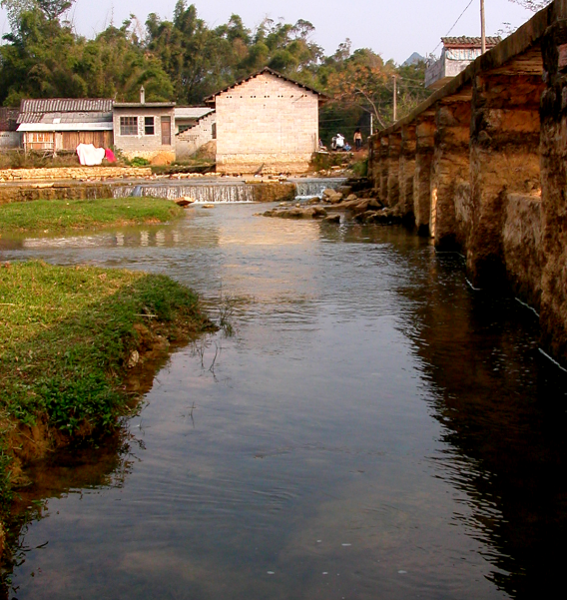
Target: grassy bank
(69, 337)
(61, 215)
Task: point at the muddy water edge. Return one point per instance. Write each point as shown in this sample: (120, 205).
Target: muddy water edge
(373, 428)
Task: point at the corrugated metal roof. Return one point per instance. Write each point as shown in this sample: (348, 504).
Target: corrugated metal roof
(61, 117)
(66, 105)
(65, 127)
(469, 41)
(191, 112)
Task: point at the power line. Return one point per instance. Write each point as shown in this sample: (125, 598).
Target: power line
(453, 26)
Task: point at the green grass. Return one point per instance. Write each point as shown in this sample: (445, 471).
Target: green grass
(62, 215)
(66, 334)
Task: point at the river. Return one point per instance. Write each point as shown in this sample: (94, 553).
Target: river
(374, 428)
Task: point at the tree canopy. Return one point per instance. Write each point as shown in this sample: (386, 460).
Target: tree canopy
(185, 60)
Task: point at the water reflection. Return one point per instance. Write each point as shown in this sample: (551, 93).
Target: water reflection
(502, 406)
(374, 429)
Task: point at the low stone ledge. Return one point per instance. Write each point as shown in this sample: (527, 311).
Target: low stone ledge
(50, 191)
(74, 173)
(273, 192)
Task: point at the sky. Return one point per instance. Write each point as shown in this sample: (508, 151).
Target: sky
(393, 29)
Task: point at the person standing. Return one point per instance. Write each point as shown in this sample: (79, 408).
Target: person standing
(357, 140)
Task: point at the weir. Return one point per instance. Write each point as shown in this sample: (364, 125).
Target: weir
(216, 191)
(480, 166)
(207, 193)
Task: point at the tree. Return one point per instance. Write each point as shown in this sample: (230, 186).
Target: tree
(44, 59)
(52, 9)
(362, 81)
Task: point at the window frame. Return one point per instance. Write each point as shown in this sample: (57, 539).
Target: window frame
(149, 126)
(128, 126)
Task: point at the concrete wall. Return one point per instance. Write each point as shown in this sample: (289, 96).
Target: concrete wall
(189, 142)
(10, 139)
(269, 123)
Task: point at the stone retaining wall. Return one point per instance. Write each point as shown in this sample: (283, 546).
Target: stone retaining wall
(490, 152)
(79, 191)
(75, 173)
(522, 246)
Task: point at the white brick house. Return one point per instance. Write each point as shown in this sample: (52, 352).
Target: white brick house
(266, 123)
(145, 129)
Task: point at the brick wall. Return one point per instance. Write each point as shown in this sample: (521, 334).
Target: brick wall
(266, 121)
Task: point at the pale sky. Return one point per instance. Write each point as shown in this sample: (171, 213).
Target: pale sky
(393, 29)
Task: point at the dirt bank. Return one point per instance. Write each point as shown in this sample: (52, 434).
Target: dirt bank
(80, 345)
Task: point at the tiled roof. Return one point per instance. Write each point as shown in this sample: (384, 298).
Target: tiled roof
(67, 105)
(210, 99)
(144, 105)
(469, 41)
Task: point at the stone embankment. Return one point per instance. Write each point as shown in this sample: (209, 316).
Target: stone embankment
(74, 173)
(480, 166)
(54, 191)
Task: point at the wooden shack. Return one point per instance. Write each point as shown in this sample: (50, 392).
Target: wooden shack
(61, 124)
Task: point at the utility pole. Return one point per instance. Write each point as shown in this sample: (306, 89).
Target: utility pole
(482, 30)
(395, 98)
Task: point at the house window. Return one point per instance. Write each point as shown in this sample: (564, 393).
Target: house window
(128, 125)
(214, 131)
(149, 128)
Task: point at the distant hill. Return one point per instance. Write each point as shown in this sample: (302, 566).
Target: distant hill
(413, 59)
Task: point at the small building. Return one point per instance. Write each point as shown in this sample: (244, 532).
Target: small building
(9, 136)
(145, 129)
(456, 55)
(61, 124)
(187, 117)
(202, 133)
(266, 123)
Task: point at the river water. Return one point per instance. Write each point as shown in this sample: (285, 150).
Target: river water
(374, 429)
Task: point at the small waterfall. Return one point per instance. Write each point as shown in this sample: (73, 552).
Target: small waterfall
(201, 193)
(310, 188)
(219, 192)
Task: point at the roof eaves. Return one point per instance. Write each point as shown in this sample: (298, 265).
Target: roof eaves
(211, 99)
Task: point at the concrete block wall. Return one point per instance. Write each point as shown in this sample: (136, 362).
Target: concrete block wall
(10, 139)
(142, 145)
(189, 142)
(266, 121)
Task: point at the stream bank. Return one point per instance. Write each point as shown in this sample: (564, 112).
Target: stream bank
(374, 427)
(77, 346)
